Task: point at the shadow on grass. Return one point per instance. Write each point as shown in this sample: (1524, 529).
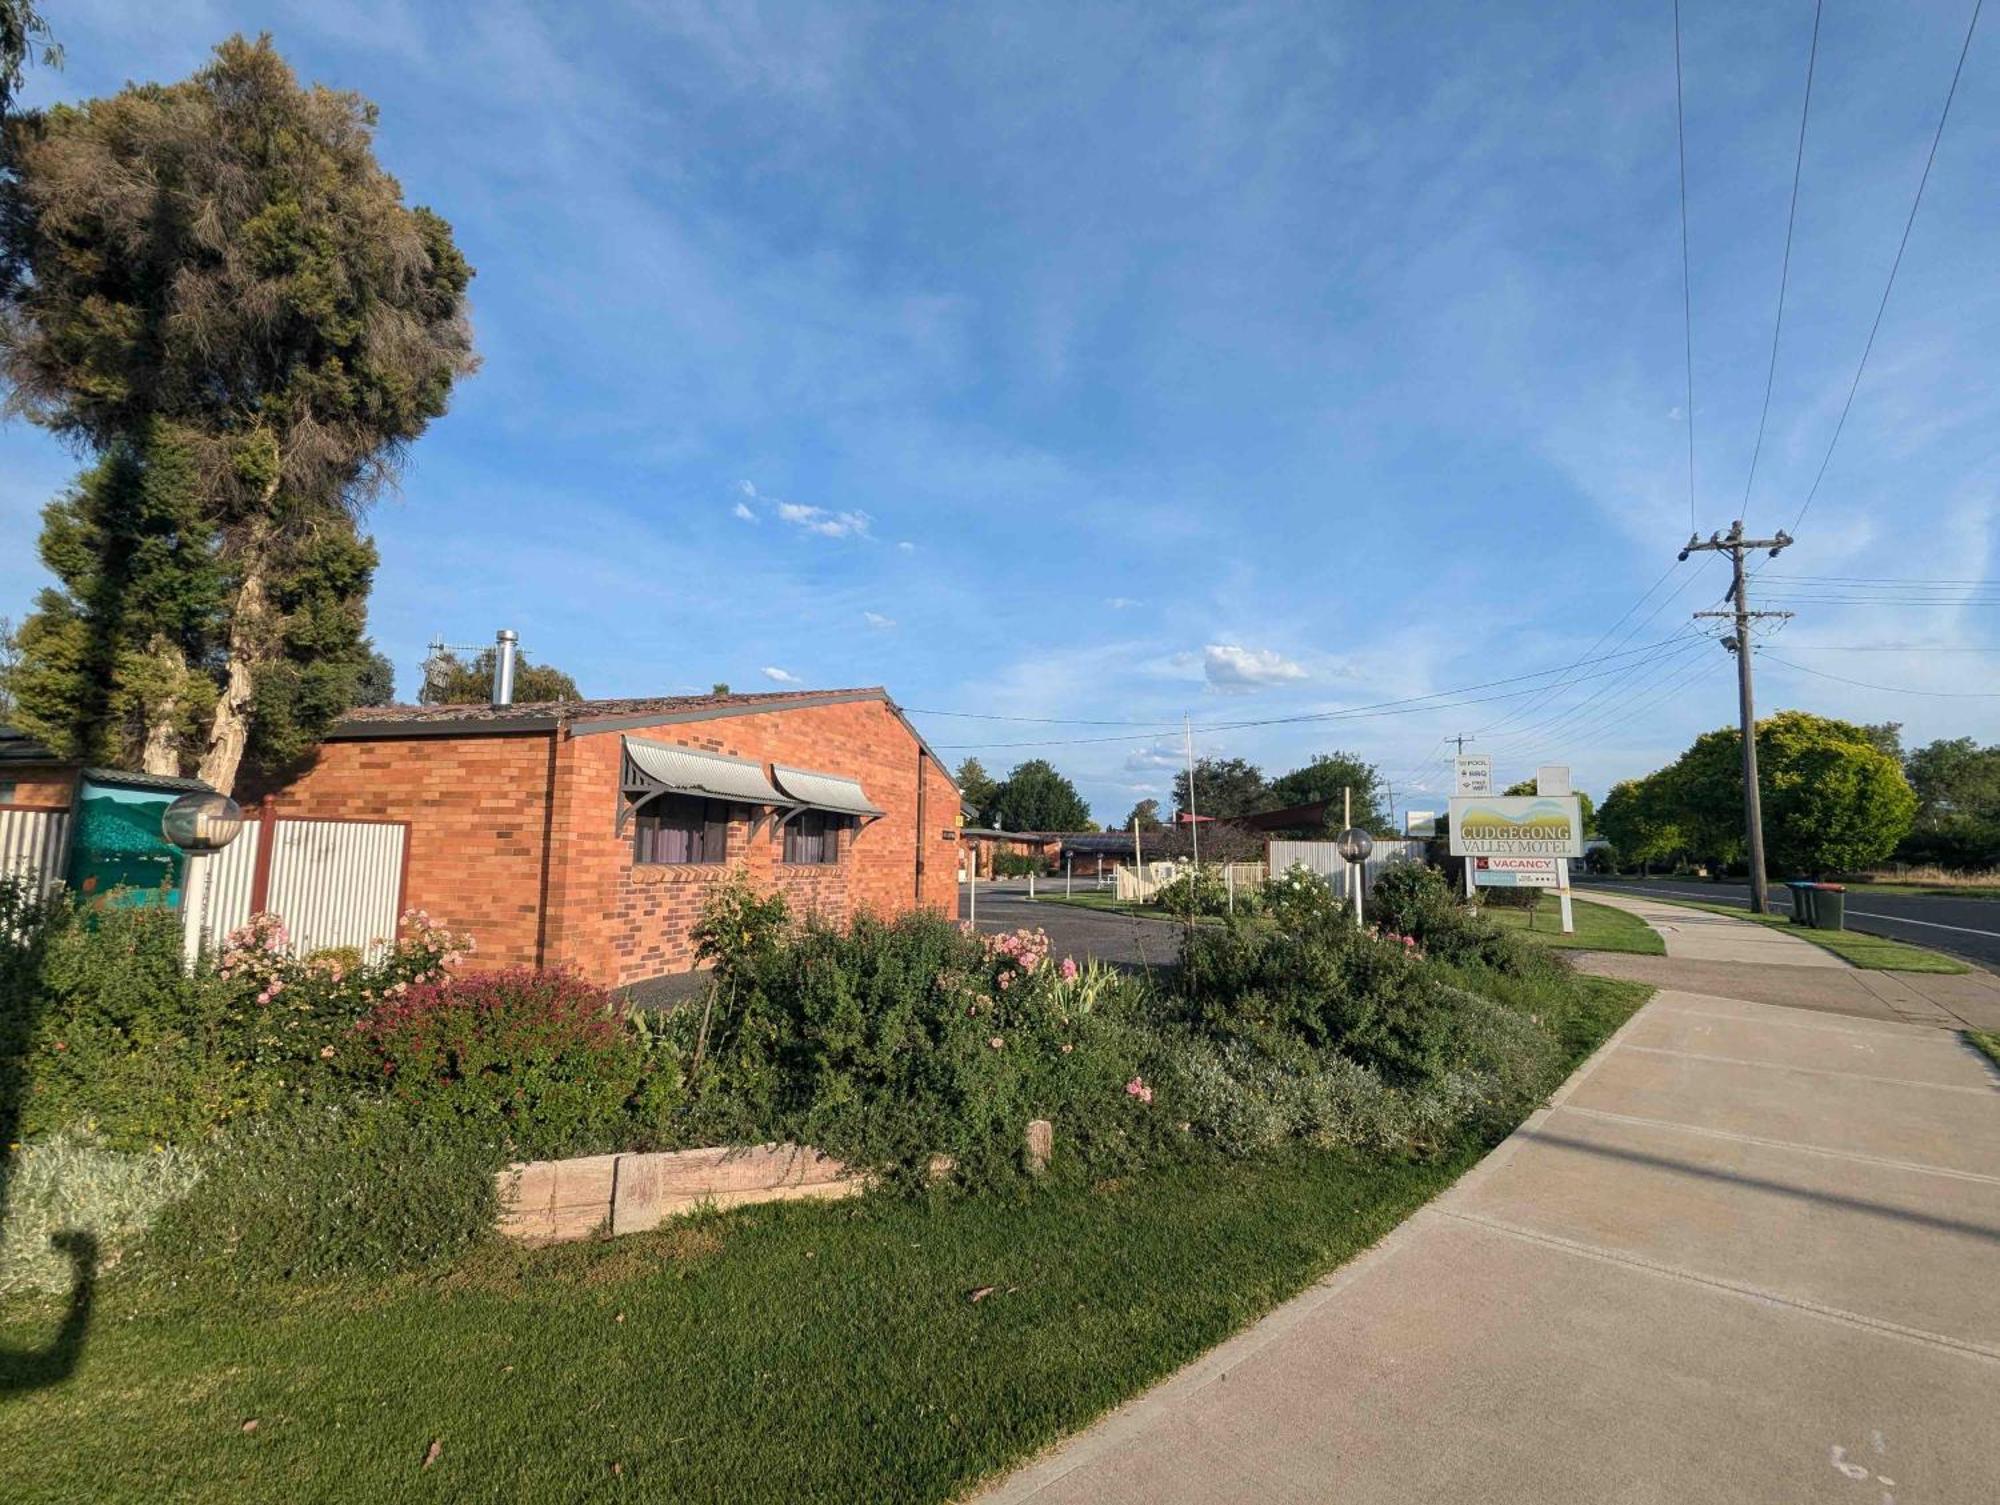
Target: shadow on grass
(35, 1368)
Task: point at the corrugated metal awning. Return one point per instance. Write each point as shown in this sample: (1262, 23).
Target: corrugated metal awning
(823, 791)
(683, 770)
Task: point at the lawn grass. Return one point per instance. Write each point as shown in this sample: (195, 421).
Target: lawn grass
(1599, 927)
(1932, 890)
(1873, 953)
(1108, 904)
(1987, 1042)
(792, 1352)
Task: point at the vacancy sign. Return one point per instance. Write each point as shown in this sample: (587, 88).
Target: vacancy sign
(1517, 872)
(1520, 825)
(1475, 773)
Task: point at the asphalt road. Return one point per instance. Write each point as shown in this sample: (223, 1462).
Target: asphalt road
(1967, 928)
(1122, 940)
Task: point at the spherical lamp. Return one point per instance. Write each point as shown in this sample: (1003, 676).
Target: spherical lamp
(202, 822)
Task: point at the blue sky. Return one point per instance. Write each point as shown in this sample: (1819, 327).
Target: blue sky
(1125, 362)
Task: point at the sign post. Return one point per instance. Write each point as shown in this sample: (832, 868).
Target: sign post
(1473, 775)
(1552, 782)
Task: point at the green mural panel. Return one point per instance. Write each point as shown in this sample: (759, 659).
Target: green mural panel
(118, 855)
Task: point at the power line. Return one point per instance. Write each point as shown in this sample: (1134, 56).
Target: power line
(1516, 715)
(1687, 287)
(1894, 266)
(1891, 689)
(1411, 705)
(1785, 265)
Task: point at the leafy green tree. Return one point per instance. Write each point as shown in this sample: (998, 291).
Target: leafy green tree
(450, 680)
(720, 687)
(377, 684)
(115, 659)
(1223, 787)
(1037, 798)
(23, 34)
(1145, 816)
(977, 787)
(1324, 778)
(1634, 822)
(1586, 806)
(1833, 800)
(1954, 779)
(10, 657)
(222, 264)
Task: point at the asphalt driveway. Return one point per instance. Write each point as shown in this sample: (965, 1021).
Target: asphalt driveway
(1122, 940)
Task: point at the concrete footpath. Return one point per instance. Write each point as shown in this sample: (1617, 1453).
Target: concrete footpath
(1713, 953)
(1747, 1253)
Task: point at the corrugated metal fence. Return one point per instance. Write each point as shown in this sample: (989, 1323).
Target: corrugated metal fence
(333, 883)
(1323, 857)
(33, 844)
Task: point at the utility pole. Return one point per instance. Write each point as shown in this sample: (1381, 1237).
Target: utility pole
(1735, 545)
(1460, 742)
(1194, 827)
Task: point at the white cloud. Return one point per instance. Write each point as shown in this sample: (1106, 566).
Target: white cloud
(907, 547)
(1151, 759)
(1237, 670)
(876, 620)
(826, 524)
(743, 511)
(747, 488)
(781, 676)
(1120, 603)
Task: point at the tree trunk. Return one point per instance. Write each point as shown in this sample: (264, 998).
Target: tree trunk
(229, 727)
(161, 753)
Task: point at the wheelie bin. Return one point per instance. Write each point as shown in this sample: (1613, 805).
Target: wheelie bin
(1801, 900)
(1829, 906)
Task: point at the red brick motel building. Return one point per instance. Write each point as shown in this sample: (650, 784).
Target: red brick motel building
(587, 833)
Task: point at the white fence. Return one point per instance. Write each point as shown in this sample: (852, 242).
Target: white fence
(1323, 857)
(34, 844)
(1130, 886)
(333, 883)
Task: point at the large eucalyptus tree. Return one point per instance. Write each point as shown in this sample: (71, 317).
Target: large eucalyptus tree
(219, 271)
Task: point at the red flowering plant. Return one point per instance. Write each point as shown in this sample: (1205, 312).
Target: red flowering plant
(541, 1060)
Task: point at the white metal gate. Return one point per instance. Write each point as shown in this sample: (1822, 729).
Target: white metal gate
(33, 844)
(333, 883)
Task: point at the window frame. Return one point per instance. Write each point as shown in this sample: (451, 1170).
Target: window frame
(833, 824)
(711, 814)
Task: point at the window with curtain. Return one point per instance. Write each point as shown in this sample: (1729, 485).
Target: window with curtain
(679, 829)
(813, 838)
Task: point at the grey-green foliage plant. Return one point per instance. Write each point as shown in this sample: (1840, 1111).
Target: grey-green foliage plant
(65, 1185)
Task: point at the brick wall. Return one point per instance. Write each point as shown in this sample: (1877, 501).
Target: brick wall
(624, 922)
(38, 786)
(477, 808)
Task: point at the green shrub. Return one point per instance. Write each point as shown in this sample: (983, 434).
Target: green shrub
(1017, 864)
(1416, 901)
(104, 1028)
(317, 1190)
(108, 1033)
(1299, 897)
(888, 1042)
(64, 1185)
(541, 1061)
(1197, 891)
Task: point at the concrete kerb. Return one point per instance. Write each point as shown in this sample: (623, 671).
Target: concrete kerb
(1066, 1455)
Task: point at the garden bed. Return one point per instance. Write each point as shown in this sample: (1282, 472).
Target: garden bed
(1077, 1179)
